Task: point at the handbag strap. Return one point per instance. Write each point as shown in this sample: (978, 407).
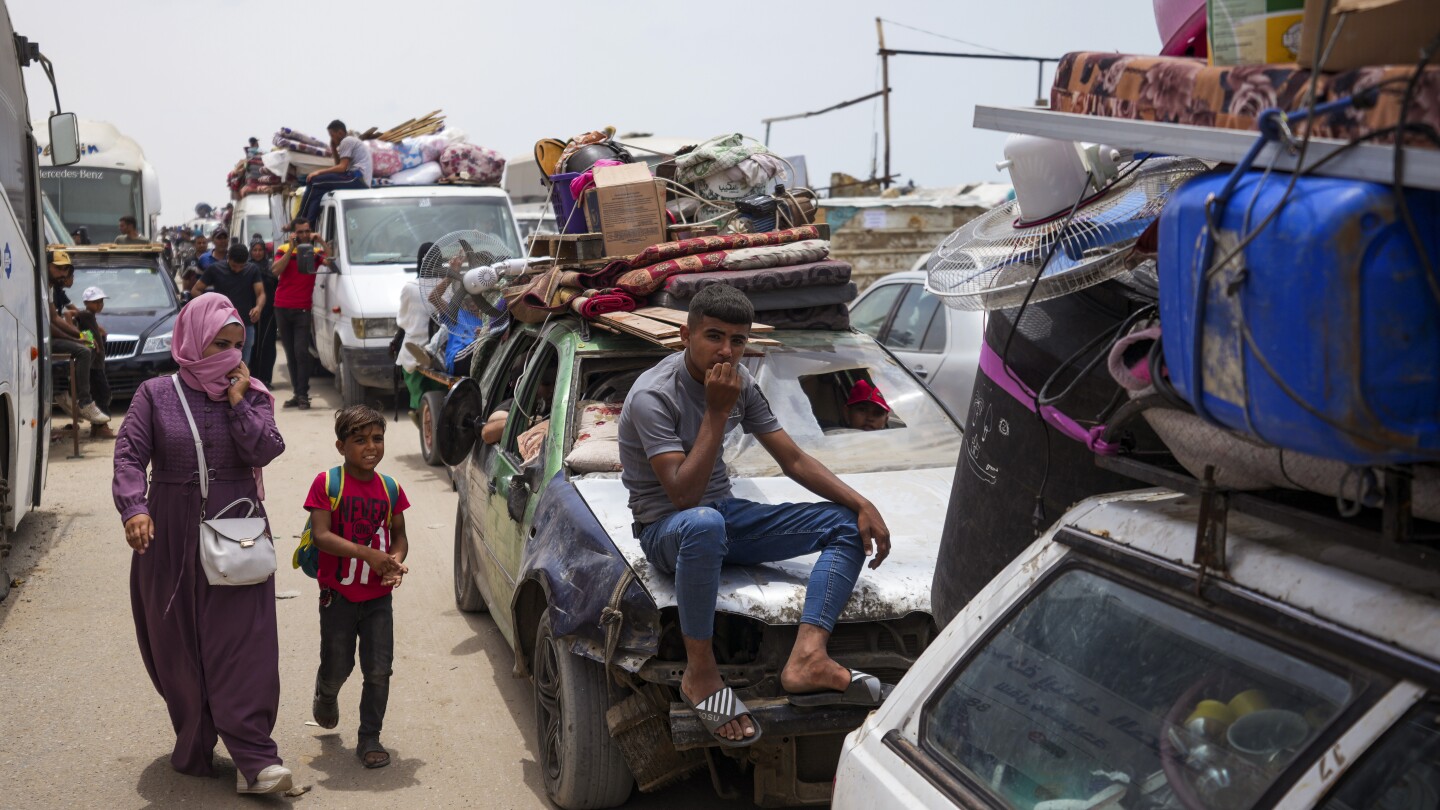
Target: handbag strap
(233, 504)
(199, 445)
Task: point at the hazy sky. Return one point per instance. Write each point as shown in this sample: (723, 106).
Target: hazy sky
(190, 80)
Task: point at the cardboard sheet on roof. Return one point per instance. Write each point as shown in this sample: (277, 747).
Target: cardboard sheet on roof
(1375, 32)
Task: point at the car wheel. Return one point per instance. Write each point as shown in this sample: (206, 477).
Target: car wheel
(430, 405)
(467, 594)
(351, 391)
(580, 762)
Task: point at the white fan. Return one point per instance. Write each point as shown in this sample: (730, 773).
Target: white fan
(992, 261)
(462, 277)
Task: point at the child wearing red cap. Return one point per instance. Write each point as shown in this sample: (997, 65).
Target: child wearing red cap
(866, 408)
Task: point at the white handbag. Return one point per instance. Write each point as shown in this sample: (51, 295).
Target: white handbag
(233, 551)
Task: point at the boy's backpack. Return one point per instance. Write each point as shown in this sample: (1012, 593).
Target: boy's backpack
(307, 554)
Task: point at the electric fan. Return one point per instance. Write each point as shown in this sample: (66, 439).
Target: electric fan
(992, 261)
(462, 277)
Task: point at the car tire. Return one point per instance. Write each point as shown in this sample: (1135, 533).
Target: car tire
(430, 405)
(580, 762)
(351, 391)
(467, 594)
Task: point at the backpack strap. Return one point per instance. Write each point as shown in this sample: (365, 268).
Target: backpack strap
(334, 485)
(392, 494)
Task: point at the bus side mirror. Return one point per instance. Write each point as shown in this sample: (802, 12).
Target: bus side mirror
(64, 139)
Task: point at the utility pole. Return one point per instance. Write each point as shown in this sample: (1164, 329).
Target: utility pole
(885, 89)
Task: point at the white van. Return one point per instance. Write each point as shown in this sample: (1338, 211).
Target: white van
(256, 214)
(371, 238)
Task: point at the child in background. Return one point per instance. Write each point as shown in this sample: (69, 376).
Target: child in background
(362, 545)
(87, 320)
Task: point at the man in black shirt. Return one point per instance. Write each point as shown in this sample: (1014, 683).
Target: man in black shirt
(65, 337)
(242, 283)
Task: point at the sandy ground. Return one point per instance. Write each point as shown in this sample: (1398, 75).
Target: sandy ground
(83, 726)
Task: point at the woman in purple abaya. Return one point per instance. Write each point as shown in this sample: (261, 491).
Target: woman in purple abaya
(212, 651)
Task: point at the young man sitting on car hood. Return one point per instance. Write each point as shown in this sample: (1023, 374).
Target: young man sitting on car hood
(671, 430)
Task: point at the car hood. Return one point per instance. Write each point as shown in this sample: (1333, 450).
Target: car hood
(140, 323)
(912, 503)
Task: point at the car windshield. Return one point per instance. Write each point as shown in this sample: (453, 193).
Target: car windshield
(807, 381)
(127, 289)
(391, 230)
(264, 226)
(1097, 695)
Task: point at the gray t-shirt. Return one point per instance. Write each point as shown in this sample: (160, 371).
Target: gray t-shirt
(358, 152)
(662, 414)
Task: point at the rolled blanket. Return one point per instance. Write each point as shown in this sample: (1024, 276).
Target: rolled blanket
(300, 137)
(790, 277)
(631, 274)
(594, 303)
(303, 148)
(808, 250)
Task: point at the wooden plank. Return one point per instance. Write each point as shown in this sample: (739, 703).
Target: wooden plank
(681, 318)
(638, 325)
(759, 341)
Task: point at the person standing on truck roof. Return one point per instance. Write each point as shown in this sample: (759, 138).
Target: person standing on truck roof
(689, 524)
(351, 170)
(241, 282)
(292, 309)
(65, 337)
(129, 233)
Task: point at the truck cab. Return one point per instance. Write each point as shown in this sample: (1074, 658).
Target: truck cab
(371, 238)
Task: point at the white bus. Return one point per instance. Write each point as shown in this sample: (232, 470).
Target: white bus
(111, 180)
(24, 293)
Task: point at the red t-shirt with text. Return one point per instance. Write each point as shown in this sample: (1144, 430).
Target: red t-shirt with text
(360, 517)
(295, 289)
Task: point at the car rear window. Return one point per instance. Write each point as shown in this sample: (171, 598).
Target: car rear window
(127, 289)
(1075, 697)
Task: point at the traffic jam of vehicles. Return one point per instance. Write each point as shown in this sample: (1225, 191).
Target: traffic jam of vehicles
(1113, 485)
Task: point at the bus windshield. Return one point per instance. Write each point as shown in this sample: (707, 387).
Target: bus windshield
(93, 197)
(391, 230)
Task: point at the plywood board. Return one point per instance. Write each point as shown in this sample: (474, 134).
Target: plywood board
(680, 317)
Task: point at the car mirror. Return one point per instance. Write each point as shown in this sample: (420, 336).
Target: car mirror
(64, 139)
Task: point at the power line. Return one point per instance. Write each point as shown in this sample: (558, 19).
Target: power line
(944, 36)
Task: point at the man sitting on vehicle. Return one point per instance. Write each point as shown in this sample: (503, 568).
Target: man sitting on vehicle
(351, 170)
(129, 233)
(689, 525)
(65, 337)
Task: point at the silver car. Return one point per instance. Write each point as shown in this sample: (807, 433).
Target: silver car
(941, 345)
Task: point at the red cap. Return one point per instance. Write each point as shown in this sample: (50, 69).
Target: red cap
(863, 391)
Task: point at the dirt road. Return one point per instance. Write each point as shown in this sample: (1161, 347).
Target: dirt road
(83, 727)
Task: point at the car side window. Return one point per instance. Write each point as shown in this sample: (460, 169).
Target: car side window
(328, 234)
(1402, 769)
(1080, 692)
(871, 313)
(912, 319)
(937, 332)
(529, 420)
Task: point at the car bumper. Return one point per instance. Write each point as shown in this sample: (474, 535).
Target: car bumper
(126, 375)
(373, 366)
(775, 716)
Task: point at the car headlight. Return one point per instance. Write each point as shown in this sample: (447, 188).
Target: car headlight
(373, 327)
(157, 343)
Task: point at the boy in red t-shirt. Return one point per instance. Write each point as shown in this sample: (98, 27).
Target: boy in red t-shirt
(362, 549)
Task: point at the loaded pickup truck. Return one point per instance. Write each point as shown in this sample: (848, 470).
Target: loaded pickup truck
(543, 542)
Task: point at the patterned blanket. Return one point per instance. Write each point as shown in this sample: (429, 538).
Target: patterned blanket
(790, 277)
(643, 273)
(1181, 90)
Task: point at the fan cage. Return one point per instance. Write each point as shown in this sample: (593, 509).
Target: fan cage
(442, 272)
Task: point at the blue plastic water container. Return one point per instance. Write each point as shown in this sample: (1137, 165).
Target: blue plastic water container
(1336, 302)
(568, 216)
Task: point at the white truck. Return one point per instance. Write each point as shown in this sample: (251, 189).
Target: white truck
(371, 238)
(111, 180)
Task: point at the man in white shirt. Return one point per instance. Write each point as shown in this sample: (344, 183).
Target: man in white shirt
(352, 169)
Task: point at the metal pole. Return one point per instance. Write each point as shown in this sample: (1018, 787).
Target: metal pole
(885, 83)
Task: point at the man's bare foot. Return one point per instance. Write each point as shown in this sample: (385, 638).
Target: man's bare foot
(814, 672)
(699, 687)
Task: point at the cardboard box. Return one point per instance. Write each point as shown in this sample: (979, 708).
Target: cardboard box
(627, 208)
(1253, 32)
(1376, 32)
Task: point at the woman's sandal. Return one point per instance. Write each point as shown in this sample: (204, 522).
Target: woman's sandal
(371, 745)
(864, 690)
(720, 708)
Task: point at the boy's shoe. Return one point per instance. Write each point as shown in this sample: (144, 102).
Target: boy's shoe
(64, 403)
(325, 712)
(371, 753)
(274, 779)
(91, 413)
(101, 432)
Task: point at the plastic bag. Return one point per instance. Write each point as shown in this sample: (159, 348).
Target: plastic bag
(423, 175)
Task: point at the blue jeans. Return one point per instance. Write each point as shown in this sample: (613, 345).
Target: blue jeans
(695, 543)
(316, 190)
(249, 340)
